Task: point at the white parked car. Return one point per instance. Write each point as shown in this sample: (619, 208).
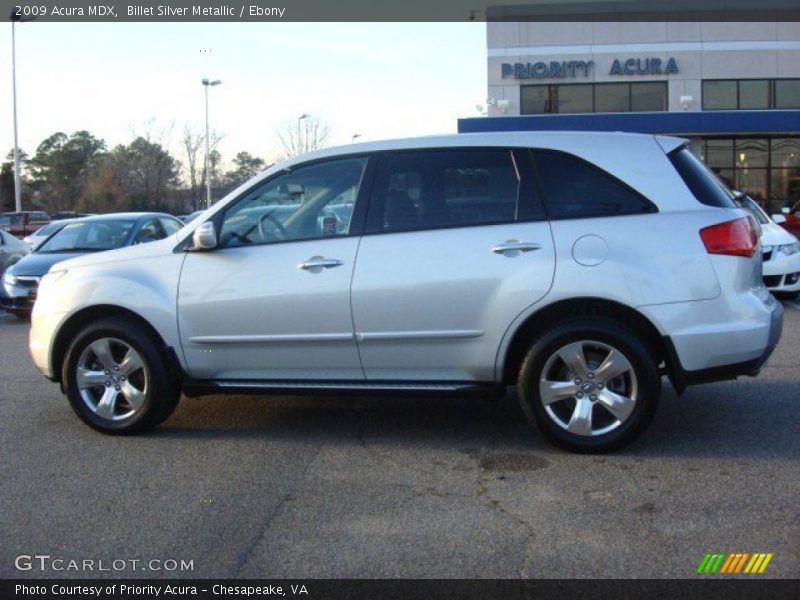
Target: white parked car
(580, 267)
(780, 251)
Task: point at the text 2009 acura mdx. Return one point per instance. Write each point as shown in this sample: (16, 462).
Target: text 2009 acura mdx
(579, 266)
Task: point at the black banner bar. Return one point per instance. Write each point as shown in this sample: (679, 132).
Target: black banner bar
(145, 11)
(704, 588)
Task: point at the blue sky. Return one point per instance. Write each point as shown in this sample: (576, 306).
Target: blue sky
(381, 80)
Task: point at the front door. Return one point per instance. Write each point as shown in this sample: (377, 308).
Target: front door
(272, 301)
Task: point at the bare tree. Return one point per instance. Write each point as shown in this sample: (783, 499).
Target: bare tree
(304, 135)
(193, 144)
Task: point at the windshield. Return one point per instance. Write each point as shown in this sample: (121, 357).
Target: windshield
(747, 203)
(49, 229)
(10, 219)
(89, 236)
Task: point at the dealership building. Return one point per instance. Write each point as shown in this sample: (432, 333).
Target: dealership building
(732, 88)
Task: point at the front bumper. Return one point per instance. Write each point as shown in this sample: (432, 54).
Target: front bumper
(682, 378)
(17, 297)
(781, 272)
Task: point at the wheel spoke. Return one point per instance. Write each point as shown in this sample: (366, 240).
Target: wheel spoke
(581, 421)
(134, 396)
(618, 405)
(573, 357)
(614, 365)
(86, 378)
(131, 363)
(102, 350)
(105, 408)
(553, 391)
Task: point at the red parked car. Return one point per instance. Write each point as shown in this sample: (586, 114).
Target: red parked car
(790, 220)
(23, 223)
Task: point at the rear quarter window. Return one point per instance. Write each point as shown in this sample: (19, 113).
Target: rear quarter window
(706, 187)
(574, 188)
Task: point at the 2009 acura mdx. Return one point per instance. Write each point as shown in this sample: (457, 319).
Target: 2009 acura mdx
(581, 267)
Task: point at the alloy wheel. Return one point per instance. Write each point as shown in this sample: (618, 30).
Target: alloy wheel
(588, 388)
(112, 379)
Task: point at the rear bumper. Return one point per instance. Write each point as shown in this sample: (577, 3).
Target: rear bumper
(681, 378)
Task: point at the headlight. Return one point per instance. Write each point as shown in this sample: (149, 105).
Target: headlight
(789, 249)
(9, 278)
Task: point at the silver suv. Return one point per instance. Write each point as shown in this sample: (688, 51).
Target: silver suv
(580, 267)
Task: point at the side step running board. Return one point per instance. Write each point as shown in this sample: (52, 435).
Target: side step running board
(340, 388)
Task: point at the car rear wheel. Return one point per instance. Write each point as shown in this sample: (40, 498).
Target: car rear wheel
(589, 385)
(117, 378)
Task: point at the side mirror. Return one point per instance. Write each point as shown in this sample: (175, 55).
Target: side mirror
(786, 210)
(205, 236)
(779, 219)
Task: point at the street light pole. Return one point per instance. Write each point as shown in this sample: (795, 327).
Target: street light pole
(17, 178)
(206, 85)
(302, 145)
(354, 137)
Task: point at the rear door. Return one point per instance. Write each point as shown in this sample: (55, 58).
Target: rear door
(456, 247)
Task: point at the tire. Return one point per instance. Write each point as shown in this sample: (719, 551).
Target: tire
(575, 412)
(126, 385)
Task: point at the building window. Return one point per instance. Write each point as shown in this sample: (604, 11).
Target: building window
(649, 97)
(768, 170)
(612, 97)
(593, 97)
(719, 95)
(787, 93)
(754, 94)
(750, 94)
(575, 99)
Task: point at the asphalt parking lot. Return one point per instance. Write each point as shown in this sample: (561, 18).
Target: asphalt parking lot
(299, 487)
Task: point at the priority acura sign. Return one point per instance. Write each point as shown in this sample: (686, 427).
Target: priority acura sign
(568, 69)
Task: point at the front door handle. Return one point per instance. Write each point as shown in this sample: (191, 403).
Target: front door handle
(317, 263)
(513, 246)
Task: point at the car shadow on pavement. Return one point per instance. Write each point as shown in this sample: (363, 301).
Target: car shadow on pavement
(742, 418)
(748, 418)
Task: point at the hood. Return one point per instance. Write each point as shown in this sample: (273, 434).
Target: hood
(138, 251)
(36, 265)
(775, 235)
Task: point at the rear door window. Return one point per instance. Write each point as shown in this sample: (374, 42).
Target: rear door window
(435, 189)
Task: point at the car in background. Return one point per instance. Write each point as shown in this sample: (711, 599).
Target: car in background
(82, 236)
(190, 217)
(11, 250)
(789, 218)
(23, 222)
(780, 252)
(69, 214)
(41, 234)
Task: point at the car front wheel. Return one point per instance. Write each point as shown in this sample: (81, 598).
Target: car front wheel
(589, 385)
(117, 378)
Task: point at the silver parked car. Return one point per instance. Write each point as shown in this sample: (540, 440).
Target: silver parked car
(12, 250)
(580, 267)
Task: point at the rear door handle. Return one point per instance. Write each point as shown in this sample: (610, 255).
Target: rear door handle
(515, 246)
(317, 263)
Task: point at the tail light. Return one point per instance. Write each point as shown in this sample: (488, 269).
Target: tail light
(732, 238)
